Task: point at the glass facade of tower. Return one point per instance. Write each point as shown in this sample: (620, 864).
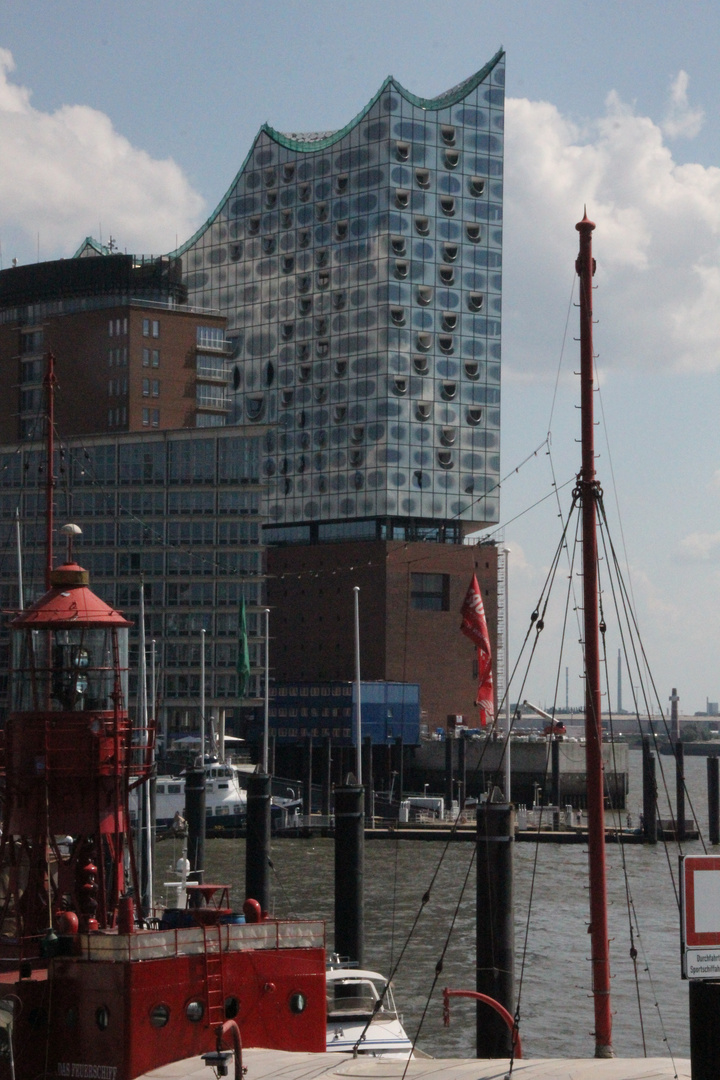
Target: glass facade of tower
(360, 272)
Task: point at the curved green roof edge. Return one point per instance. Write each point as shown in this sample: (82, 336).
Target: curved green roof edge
(442, 101)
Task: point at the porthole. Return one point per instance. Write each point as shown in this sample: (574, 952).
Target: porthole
(236, 252)
(341, 230)
(445, 341)
(323, 279)
(321, 325)
(475, 301)
(270, 199)
(473, 231)
(445, 460)
(321, 211)
(159, 1015)
(358, 480)
(253, 226)
(340, 367)
(321, 394)
(341, 183)
(102, 1017)
(304, 192)
(305, 305)
(402, 198)
(420, 363)
(304, 283)
(400, 385)
(477, 186)
(270, 178)
(472, 369)
(339, 300)
(297, 1002)
(449, 320)
(304, 373)
(398, 245)
(447, 205)
(287, 330)
(288, 172)
(195, 1010)
(397, 316)
(450, 252)
(422, 226)
(447, 134)
(402, 151)
(302, 351)
(232, 1008)
(447, 275)
(288, 264)
(452, 157)
(358, 433)
(322, 347)
(474, 415)
(339, 413)
(447, 436)
(355, 457)
(422, 178)
(424, 294)
(401, 269)
(448, 390)
(286, 399)
(423, 410)
(303, 238)
(424, 342)
(321, 257)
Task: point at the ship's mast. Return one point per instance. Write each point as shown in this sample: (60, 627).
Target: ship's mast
(589, 490)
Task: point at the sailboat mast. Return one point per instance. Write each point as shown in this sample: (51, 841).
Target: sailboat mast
(589, 488)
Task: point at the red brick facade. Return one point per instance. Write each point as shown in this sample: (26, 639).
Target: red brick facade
(310, 593)
(141, 376)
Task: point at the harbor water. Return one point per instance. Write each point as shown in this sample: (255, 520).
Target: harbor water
(552, 946)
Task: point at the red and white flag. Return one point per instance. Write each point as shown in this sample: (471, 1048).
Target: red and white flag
(474, 626)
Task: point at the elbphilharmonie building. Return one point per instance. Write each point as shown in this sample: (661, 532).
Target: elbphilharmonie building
(360, 272)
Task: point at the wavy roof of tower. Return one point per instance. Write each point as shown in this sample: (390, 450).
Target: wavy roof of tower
(312, 141)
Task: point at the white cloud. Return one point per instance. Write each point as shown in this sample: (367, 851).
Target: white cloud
(657, 241)
(64, 172)
(701, 547)
(682, 121)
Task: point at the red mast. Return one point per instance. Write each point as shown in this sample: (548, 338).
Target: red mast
(589, 489)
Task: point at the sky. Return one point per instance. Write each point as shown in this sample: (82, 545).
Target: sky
(131, 120)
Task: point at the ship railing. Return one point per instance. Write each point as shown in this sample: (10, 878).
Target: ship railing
(191, 941)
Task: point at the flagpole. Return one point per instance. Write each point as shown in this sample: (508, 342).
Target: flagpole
(202, 699)
(358, 747)
(506, 647)
(266, 712)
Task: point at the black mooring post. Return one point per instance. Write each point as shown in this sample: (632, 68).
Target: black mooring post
(195, 816)
(257, 845)
(713, 784)
(680, 791)
(704, 1000)
(649, 794)
(495, 931)
(449, 778)
(555, 772)
(307, 749)
(326, 775)
(367, 775)
(349, 872)
(462, 771)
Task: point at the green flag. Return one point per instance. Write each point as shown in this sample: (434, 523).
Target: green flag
(243, 659)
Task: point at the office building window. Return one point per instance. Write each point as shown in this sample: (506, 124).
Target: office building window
(146, 417)
(430, 592)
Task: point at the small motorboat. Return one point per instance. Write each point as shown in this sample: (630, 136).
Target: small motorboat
(361, 1015)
